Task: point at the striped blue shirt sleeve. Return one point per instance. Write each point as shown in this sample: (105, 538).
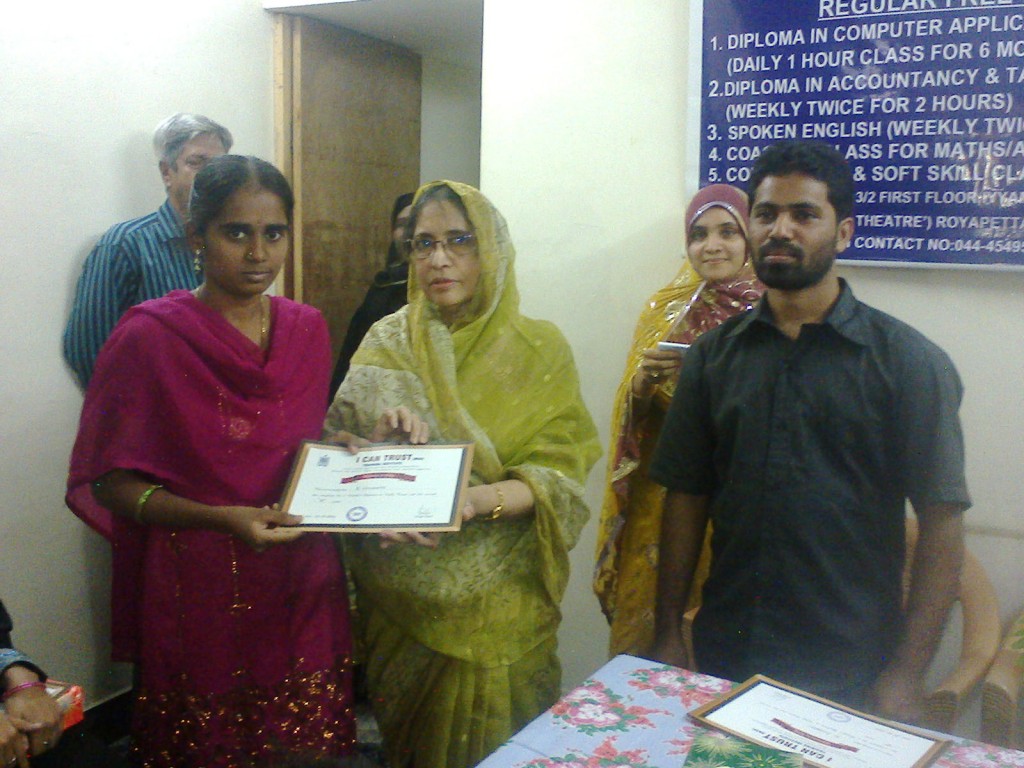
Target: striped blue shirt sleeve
(9, 656)
(134, 261)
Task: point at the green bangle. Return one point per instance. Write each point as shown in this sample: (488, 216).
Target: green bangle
(140, 505)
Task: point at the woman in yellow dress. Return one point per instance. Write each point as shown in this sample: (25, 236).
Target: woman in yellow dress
(715, 283)
(459, 628)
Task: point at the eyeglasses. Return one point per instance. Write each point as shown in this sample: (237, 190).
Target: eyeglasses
(463, 244)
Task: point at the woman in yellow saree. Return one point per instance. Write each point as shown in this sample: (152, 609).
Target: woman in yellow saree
(715, 282)
(459, 628)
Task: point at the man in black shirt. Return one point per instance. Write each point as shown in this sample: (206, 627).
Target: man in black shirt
(800, 430)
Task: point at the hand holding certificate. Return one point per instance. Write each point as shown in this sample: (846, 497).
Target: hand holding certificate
(382, 487)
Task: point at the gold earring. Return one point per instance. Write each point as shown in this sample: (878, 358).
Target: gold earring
(197, 264)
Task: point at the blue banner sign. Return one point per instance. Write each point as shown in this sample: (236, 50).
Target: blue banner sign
(924, 97)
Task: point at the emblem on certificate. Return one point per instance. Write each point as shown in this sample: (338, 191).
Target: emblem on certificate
(383, 487)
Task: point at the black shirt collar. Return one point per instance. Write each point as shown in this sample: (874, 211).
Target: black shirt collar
(843, 317)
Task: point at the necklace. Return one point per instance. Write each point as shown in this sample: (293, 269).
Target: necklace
(243, 323)
(263, 321)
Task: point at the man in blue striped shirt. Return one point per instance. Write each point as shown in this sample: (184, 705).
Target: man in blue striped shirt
(144, 258)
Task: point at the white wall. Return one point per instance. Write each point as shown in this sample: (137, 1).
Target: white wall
(582, 149)
(84, 85)
(585, 149)
(450, 123)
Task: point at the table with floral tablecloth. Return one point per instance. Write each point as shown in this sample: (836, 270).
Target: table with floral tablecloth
(632, 712)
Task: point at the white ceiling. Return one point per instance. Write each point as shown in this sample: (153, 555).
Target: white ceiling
(450, 30)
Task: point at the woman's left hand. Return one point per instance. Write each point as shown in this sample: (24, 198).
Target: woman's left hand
(400, 425)
(479, 501)
(658, 364)
(36, 707)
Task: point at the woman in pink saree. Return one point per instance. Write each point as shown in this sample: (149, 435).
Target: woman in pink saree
(238, 624)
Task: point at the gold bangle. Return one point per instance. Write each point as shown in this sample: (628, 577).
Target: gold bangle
(140, 505)
(495, 513)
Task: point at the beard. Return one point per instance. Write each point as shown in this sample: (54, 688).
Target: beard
(803, 272)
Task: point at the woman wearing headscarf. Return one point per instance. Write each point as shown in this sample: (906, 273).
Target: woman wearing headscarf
(460, 627)
(716, 282)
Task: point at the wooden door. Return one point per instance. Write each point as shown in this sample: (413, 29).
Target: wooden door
(348, 137)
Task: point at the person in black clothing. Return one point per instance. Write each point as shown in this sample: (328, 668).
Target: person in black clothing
(387, 294)
(801, 429)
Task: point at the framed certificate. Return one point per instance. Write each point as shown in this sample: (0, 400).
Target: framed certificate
(823, 733)
(383, 487)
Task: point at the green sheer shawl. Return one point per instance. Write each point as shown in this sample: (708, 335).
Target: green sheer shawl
(489, 593)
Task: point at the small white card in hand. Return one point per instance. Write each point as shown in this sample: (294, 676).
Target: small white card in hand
(672, 346)
(383, 487)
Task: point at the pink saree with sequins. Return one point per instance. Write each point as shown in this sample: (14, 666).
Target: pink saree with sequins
(242, 656)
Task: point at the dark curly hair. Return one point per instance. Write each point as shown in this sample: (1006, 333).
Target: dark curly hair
(812, 158)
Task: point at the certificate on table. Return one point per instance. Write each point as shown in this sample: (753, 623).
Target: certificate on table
(392, 487)
(821, 732)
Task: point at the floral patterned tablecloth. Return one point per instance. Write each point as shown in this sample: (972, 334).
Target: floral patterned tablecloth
(632, 712)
